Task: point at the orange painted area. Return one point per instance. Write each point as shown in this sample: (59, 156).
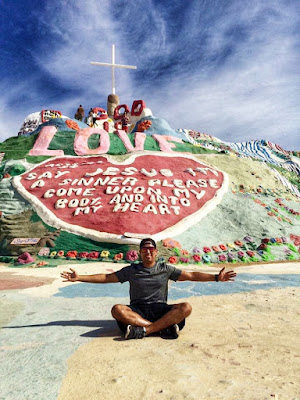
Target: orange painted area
(10, 281)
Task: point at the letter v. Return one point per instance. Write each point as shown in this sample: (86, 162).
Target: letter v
(139, 140)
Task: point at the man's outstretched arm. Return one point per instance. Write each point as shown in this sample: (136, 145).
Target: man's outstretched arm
(196, 276)
(98, 278)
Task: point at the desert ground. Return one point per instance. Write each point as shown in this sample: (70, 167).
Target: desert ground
(59, 341)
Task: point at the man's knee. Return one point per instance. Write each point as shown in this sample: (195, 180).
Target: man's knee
(185, 308)
(118, 310)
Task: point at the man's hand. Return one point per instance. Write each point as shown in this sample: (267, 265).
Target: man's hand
(69, 276)
(226, 276)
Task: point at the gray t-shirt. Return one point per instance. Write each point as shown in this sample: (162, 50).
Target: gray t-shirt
(148, 285)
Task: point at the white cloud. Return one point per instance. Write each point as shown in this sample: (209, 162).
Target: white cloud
(231, 71)
(252, 95)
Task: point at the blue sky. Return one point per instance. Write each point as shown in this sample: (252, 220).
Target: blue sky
(229, 68)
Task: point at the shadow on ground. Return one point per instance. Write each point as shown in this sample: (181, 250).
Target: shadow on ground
(105, 328)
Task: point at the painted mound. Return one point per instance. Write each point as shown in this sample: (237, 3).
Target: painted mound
(73, 191)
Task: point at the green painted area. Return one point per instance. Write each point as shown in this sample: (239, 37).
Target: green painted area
(17, 148)
(291, 176)
(64, 140)
(190, 148)
(68, 241)
(36, 159)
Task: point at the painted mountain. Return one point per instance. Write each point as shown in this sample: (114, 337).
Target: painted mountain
(91, 190)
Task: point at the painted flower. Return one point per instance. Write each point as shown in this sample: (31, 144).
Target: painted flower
(45, 251)
(257, 201)
(276, 210)
(93, 255)
(241, 254)
(132, 255)
(196, 250)
(263, 246)
(60, 253)
(239, 243)
(250, 253)
(72, 124)
(273, 240)
(271, 214)
(197, 258)
(144, 125)
(230, 256)
(118, 257)
(278, 240)
(248, 239)
(83, 254)
(206, 258)
(173, 260)
(222, 257)
(72, 254)
(284, 239)
(206, 249)
(265, 240)
(231, 245)
(184, 252)
(184, 260)
(279, 218)
(171, 243)
(25, 258)
(41, 264)
(53, 254)
(216, 249)
(105, 253)
(223, 247)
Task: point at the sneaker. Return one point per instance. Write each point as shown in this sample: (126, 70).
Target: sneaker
(135, 332)
(172, 332)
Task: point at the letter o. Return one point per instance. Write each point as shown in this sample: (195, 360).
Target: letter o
(137, 107)
(185, 202)
(61, 192)
(117, 115)
(139, 189)
(73, 203)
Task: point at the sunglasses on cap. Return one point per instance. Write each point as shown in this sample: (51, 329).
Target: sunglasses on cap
(146, 249)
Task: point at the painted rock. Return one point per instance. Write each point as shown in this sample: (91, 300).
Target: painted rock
(150, 193)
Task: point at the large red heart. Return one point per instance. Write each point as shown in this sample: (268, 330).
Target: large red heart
(148, 194)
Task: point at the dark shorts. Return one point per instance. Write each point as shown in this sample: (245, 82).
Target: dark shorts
(151, 312)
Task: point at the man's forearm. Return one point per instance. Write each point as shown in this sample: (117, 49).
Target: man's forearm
(203, 277)
(97, 278)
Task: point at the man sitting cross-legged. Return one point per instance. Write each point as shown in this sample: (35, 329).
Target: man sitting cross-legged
(148, 311)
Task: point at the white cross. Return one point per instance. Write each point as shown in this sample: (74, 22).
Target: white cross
(113, 66)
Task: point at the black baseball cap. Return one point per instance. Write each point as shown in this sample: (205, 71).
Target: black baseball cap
(147, 241)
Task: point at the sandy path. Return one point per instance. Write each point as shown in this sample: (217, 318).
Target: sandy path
(235, 346)
(241, 346)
